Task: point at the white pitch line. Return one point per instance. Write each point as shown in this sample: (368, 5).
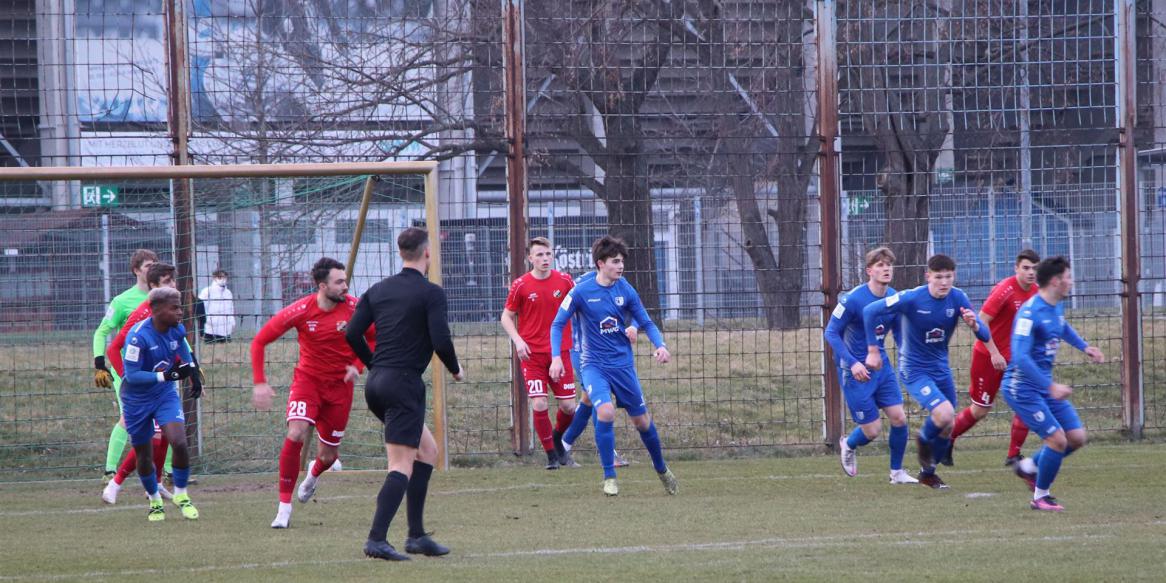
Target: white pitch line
(825, 541)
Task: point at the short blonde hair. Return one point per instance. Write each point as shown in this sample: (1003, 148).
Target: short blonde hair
(538, 241)
(880, 254)
(162, 295)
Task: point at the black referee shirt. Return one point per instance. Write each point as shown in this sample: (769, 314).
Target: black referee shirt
(412, 323)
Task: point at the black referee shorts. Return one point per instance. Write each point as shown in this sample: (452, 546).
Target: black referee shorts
(397, 397)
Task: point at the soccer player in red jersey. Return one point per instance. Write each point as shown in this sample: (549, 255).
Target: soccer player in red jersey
(157, 275)
(991, 358)
(530, 308)
(322, 383)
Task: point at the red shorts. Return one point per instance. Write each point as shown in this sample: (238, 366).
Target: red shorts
(536, 371)
(325, 404)
(985, 379)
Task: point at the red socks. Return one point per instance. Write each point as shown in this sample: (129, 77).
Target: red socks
(563, 421)
(542, 428)
(318, 467)
(289, 468)
(1019, 434)
(130, 464)
(963, 422)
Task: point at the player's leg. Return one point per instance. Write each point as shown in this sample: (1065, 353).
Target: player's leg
(860, 400)
(173, 423)
(888, 397)
(118, 436)
(398, 398)
(418, 542)
(1017, 434)
(1067, 435)
(130, 464)
(985, 383)
(626, 389)
(598, 388)
(578, 422)
(564, 392)
(926, 391)
(331, 422)
(140, 424)
(535, 374)
(943, 443)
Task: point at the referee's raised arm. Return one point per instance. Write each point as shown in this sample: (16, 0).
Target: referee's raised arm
(412, 323)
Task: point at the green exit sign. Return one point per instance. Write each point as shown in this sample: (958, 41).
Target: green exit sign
(99, 196)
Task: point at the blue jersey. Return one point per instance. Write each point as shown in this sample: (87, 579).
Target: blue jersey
(1036, 335)
(845, 332)
(577, 336)
(925, 328)
(603, 314)
(147, 353)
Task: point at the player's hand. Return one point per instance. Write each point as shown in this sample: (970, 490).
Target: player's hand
(521, 349)
(998, 361)
(632, 333)
(1094, 353)
(1059, 391)
(662, 355)
(970, 319)
(859, 372)
(351, 374)
(461, 374)
(178, 371)
(102, 379)
(195, 383)
(874, 360)
(261, 396)
(556, 370)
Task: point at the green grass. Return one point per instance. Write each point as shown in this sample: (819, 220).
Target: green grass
(727, 389)
(757, 519)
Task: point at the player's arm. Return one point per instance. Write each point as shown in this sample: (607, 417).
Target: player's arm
(641, 315)
(567, 309)
(437, 311)
(278, 325)
(972, 320)
(1022, 335)
(1076, 341)
(370, 337)
(839, 319)
(107, 326)
(892, 305)
(360, 322)
(509, 319)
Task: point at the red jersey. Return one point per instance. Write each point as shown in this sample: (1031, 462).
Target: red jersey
(536, 301)
(1002, 305)
(324, 353)
(113, 352)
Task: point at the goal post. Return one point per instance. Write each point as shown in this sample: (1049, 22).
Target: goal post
(351, 174)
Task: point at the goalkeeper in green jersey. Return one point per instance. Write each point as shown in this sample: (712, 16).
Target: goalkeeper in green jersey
(115, 317)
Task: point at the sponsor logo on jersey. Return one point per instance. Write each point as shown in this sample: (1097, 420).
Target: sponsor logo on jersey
(532, 297)
(312, 325)
(934, 335)
(1051, 347)
(609, 325)
(950, 312)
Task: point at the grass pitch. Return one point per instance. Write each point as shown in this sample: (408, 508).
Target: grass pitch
(757, 519)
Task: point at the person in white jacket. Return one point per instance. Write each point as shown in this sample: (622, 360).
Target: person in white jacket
(218, 305)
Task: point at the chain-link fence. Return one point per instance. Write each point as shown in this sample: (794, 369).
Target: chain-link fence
(692, 129)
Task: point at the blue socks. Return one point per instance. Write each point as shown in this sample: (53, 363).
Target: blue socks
(605, 445)
(150, 482)
(1047, 467)
(897, 441)
(181, 476)
(652, 441)
(857, 439)
(578, 423)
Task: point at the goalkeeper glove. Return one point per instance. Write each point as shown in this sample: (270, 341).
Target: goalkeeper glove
(99, 363)
(102, 378)
(196, 380)
(178, 371)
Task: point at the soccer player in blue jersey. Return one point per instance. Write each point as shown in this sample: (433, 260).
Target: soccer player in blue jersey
(928, 316)
(156, 355)
(1029, 388)
(867, 391)
(608, 362)
(584, 409)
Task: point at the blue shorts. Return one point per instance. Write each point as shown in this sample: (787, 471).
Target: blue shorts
(865, 399)
(575, 363)
(140, 416)
(1042, 414)
(931, 389)
(602, 384)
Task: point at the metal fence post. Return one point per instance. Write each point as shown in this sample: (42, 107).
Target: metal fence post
(514, 76)
(1133, 414)
(828, 197)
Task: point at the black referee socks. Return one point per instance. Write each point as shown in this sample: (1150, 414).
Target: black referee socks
(415, 504)
(388, 502)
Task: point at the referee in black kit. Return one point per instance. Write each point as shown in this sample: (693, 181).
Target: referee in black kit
(411, 324)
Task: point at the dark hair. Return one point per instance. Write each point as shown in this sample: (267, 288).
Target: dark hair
(323, 267)
(220, 272)
(1049, 268)
(411, 243)
(538, 241)
(607, 247)
(1029, 255)
(141, 256)
(157, 271)
(880, 254)
(940, 263)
